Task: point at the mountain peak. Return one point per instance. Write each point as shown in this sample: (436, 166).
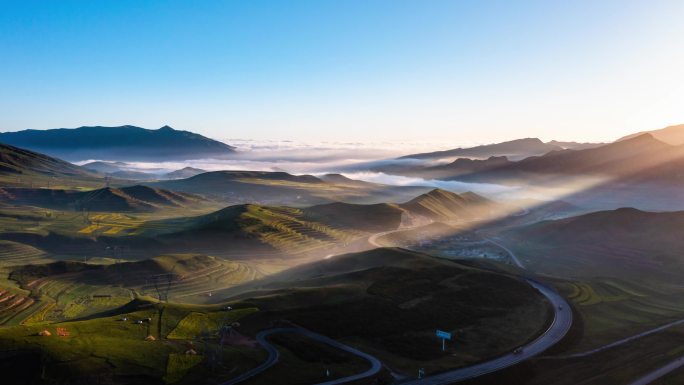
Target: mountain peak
(673, 135)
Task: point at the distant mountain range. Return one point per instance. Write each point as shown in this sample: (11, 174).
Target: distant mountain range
(281, 188)
(673, 135)
(514, 149)
(642, 158)
(127, 143)
(124, 170)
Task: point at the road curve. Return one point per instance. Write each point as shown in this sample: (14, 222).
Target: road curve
(622, 341)
(660, 372)
(274, 355)
(560, 325)
(373, 239)
(562, 321)
(514, 257)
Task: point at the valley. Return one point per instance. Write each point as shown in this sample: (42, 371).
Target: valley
(252, 277)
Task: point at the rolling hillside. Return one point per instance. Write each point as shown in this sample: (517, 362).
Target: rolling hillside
(127, 143)
(645, 245)
(281, 188)
(370, 218)
(447, 206)
(109, 199)
(19, 162)
(390, 301)
(313, 229)
(253, 230)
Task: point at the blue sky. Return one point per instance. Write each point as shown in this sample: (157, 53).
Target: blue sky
(461, 71)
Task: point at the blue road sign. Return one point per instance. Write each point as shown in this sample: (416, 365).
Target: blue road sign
(444, 335)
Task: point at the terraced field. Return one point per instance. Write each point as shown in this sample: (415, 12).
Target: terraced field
(15, 253)
(296, 234)
(14, 307)
(612, 309)
(219, 275)
(282, 229)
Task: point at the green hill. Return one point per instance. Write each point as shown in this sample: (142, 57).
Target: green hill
(261, 229)
(444, 205)
(371, 218)
(109, 199)
(645, 245)
(390, 301)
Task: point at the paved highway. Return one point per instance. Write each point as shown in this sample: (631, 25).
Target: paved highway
(623, 341)
(660, 372)
(560, 325)
(274, 356)
(562, 321)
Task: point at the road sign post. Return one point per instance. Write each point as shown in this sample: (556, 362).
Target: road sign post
(444, 336)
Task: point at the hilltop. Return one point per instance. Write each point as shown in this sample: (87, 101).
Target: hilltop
(186, 172)
(440, 204)
(127, 143)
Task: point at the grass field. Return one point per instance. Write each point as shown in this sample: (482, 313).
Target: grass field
(107, 347)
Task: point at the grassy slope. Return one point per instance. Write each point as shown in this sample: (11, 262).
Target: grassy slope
(107, 347)
(109, 199)
(255, 227)
(444, 205)
(624, 268)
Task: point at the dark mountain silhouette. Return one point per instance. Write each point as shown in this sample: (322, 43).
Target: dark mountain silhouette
(514, 148)
(118, 143)
(642, 158)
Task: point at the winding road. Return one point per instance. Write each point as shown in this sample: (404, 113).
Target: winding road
(274, 356)
(559, 327)
(561, 323)
(660, 372)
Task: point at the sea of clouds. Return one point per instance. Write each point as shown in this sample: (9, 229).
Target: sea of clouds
(352, 159)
